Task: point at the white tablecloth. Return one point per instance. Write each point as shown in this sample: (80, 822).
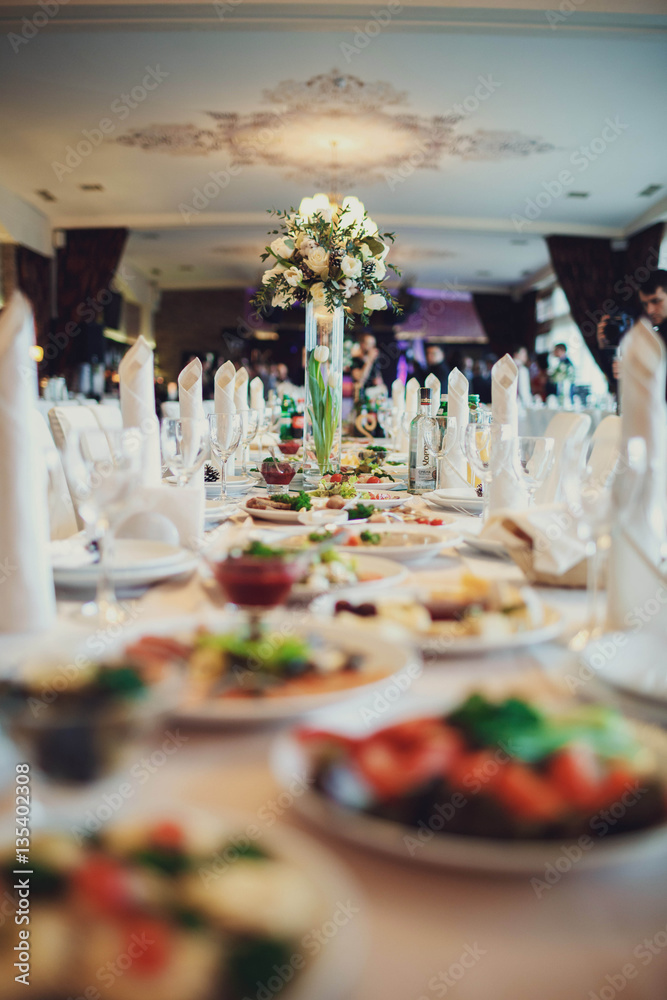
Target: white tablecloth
(562, 946)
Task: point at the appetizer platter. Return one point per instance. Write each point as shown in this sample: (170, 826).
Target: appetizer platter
(460, 615)
(501, 786)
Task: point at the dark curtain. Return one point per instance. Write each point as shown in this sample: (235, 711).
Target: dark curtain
(641, 256)
(86, 266)
(585, 269)
(33, 277)
(507, 323)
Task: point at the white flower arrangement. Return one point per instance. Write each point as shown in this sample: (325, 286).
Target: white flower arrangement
(330, 258)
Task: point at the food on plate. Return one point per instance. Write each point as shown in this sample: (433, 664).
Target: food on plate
(360, 511)
(281, 501)
(373, 452)
(364, 538)
(496, 769)
(152, 908)
(257, 576)
(463, 607)
(238, 665)
(336, 503)
(289, 447)
(331, 486)
(330, 569)
(77, 736)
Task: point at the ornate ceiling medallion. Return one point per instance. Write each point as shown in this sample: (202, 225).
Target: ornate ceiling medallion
(334, 132)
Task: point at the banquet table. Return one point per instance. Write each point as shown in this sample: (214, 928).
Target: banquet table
(426, 931)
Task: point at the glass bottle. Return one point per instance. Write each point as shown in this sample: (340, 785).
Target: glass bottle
(422, 470)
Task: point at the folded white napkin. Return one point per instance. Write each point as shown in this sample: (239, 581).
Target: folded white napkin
(455, 465)
(398, 395)
(543, 541)
(570, 433)
(432, 382)
(412, 397)
(257, 395)
(225, 378)
(635, 571)
(504, 388)
(137, 405)
(241, 390)
(169, 514)
(27, 599)
(190, 397)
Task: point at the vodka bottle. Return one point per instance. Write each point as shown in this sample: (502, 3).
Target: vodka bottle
(422, 468)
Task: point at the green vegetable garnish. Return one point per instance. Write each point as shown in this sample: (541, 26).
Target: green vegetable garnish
(320, 536)
(260, 550)
(531, 736)
(254, 960)
(370, 537)
(271, 654)
(120, 680)
(360, 510)
(299, 502)
(165, 861)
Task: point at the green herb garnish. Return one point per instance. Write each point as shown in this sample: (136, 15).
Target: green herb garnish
(262, 551)
(370, 537)
(359, 511)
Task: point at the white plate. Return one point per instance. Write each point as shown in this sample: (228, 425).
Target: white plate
(379, 504)
(136, 562)
(425, 544)
(486, 546)
(454, 501)
(433, 645)
(288, 761)
(280, 516)
(388, 656)
(329, 973)
(381, 487)
(384, 573)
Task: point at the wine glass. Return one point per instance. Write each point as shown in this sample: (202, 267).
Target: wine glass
(250, 423)
(184, 446)
(533, 459)
(479, 441)
(442, 437)
(225, 430)
(104, 471)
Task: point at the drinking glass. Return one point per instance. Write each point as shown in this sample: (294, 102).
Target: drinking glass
(184, 446)
(442, 436)
(534, 457)
(479, 440)
(225, 430)
(249, 425)
(104, 470)
(596, 502)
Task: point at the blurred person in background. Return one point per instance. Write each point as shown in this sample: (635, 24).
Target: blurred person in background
(522, 360)
(653, 299)
(481, 381)
(436, 364)
(365, 367)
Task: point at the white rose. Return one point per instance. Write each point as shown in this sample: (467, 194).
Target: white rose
(374, 301)
(332, 381)
(281, 248)
(282, 299)
(365, 251)
(321, 354)
(293, 276)
(368, 227)
(317, 260)
(303, 242)
(273, 272)
(379, 269)
(317, 294)
(351, 267)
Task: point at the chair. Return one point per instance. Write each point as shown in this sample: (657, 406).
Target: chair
(108, 417)
(563, 427)
(605, 448)
(65, 423)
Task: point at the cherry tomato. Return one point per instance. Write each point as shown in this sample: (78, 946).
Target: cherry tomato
(104, 884)
(152, 939)
(353, 540)
(336, 478)
(436, 521)
(167, 835)
(373, 479)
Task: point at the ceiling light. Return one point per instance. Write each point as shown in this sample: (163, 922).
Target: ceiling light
(651, 189)
(91, 187)
(578, 194)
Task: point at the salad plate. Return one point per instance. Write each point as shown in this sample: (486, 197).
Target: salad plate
(483, 810)
(135, 562)
(164, 856)
(455, 499)
(196, 641)
(400, 543)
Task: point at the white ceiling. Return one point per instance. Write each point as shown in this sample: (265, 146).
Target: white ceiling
(453, 220)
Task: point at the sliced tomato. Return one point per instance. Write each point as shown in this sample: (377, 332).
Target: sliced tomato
(168, 835)
(436, 521)
(467, 770)
(575, 773)
(336, 478)
(527, 794)
(149, 944)
(353, 541)
(103, 884)
(618, 781)
(373, 479)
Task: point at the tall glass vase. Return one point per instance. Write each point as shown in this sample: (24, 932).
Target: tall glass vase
(324, 392)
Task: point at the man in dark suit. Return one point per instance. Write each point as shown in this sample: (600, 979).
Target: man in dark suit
(653, 298)
(435, 365)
